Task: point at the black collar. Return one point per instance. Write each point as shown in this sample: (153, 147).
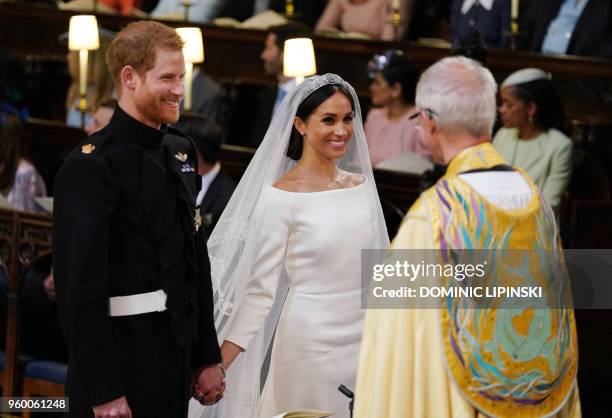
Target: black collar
(125, 126)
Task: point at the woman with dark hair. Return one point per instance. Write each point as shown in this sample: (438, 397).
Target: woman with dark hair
(285, 258)
(20, 182)
(532, 136)
(389, 129)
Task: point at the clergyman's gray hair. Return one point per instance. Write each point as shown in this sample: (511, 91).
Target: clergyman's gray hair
(461, 94)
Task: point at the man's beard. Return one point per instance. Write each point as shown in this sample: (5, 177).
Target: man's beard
(153, 109)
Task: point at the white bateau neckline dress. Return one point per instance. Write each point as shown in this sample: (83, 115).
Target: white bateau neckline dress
(317, 238)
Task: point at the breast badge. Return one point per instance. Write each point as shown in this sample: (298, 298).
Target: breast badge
(88, 149)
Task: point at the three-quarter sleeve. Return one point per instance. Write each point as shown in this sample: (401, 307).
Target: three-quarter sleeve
(270, 228)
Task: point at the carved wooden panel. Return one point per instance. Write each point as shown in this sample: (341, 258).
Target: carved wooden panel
(7, 229)
(35, 231)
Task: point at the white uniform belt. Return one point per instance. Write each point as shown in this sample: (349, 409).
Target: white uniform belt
(137, 304)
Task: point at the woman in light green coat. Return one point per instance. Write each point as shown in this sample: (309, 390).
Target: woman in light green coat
(532, 138)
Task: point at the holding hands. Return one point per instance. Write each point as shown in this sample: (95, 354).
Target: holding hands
(209, 384)
(210, 381)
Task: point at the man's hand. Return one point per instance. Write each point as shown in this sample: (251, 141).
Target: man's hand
(49, 287)
(118, 408)
(210, 385)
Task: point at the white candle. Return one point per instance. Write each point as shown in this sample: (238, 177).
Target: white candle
(395, 4)
(515, 9)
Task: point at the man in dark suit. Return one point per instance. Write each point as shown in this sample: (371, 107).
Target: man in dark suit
(574, 27)
(270, 98)
(131, 270)
(217, 186)
(206, 96)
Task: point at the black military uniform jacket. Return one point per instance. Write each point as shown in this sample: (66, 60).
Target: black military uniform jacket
(125, 223)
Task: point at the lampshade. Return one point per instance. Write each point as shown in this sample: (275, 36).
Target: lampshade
(83, 33)
(299, 58)
(193, 51)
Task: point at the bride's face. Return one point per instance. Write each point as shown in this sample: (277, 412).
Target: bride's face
(329, 128)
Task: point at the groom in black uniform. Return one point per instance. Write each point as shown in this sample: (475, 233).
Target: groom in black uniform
(130, 263)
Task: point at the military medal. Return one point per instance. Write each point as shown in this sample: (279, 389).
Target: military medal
(197, 219)
(186, 168)
(181, 157)
(88, 149)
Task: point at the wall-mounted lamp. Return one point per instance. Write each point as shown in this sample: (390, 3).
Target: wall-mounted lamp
(299, 59)
(83, 37)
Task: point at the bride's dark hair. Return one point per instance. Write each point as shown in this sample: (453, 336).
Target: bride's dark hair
(306, 108)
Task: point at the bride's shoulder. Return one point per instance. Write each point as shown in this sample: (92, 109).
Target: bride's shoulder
(349, 180)
(287, 184)
(291, 182)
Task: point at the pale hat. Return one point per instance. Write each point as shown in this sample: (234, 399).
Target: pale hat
(525, 76)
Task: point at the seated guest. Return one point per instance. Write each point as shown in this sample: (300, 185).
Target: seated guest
(369, 17)
(206, 95)
(270, 98)
(15, 87)
(489, 18)
(217, 186)
(202, 11)
(574, 27)
(20, 182)
(532, 138)
(101, 116)
(389, 129)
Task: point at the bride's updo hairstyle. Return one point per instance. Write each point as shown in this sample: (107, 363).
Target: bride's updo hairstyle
(306, 108)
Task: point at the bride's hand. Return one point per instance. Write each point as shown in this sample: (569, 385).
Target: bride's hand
(229, 352)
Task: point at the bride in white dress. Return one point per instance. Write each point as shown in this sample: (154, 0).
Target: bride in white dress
(285, 259)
